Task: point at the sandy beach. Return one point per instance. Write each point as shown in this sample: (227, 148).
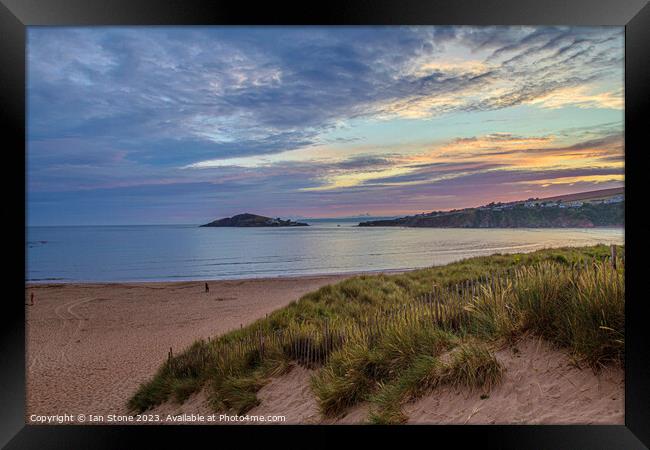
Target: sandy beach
(89, 346)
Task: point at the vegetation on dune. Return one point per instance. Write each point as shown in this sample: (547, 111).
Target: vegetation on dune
(388, 339)
(360, 368)
(469, 365)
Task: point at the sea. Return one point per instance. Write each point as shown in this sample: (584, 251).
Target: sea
(65, 254)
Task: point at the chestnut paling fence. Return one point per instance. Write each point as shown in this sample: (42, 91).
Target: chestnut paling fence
(448, 307)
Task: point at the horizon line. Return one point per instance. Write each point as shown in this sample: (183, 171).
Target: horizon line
(298, 217)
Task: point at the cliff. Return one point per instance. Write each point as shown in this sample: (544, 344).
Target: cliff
(518, 215)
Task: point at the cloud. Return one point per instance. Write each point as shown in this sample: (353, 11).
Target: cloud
(237, 84)
(581, 97)
(493, 153)
(256, 108)
(572, 180)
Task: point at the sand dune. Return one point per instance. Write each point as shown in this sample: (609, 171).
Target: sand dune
(541, 386)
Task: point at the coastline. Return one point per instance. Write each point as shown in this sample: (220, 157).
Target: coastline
(163, 282)
(90, 345)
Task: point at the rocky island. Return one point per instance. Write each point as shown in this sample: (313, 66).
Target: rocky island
(253, 220)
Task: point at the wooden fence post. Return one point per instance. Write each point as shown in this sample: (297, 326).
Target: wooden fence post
(612, 249)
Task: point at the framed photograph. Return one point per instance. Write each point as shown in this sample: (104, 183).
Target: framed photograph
(378, 218)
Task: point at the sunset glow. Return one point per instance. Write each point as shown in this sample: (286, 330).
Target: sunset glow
(181, 125)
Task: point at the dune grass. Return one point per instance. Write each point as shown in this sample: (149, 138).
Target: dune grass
(359, 368)
(382, 339)
(470, 365)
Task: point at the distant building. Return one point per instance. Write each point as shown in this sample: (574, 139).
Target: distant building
(575, 204)
(615, 199)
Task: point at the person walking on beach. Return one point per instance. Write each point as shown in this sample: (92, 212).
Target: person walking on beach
(31, 299)
(207, 288)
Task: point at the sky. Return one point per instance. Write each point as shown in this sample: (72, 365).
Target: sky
(158, 125)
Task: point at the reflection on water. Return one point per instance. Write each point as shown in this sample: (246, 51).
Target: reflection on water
(187, 252)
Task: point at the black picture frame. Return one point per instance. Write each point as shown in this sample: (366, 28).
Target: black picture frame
(16, 15)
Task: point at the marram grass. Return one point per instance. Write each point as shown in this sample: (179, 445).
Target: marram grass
(387, 339)
(470, 365)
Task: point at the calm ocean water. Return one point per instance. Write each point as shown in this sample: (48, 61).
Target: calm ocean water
(187, 252)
